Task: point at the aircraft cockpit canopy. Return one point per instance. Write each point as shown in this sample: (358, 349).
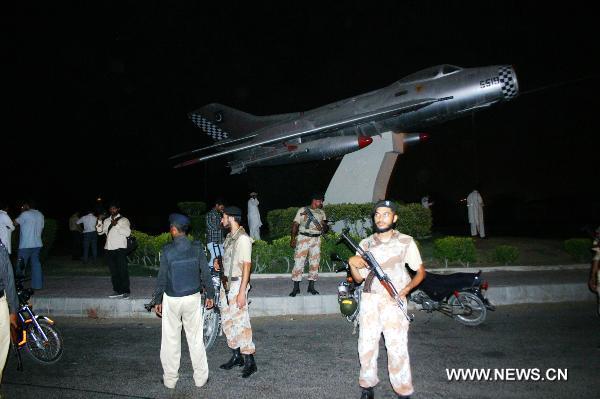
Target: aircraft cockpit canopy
(430, 73)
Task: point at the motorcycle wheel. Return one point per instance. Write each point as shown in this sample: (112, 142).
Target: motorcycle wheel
(211, 327)
(472, 312)
(48, 352)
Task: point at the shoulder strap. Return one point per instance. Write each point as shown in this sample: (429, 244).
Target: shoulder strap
(111, 226)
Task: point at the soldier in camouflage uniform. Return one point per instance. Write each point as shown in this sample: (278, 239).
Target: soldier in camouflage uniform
(310, 223)
(237, 263)
(378, 311)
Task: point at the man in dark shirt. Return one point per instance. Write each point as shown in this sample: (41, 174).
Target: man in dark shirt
(183, 272)
(9, 304)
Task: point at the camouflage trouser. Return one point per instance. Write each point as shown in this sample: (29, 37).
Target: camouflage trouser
(378, 313)
(236, 321)
(311, 247)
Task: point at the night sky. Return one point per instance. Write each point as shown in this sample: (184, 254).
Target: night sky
(99, 94)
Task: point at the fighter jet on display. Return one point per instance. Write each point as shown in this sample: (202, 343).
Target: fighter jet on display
(425, 98)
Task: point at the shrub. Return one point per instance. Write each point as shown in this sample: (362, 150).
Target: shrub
(276, 257)
(414, 220)
(505, 254)
(148, 250)
(454, 249)
(579, 249)
(280, 221)
(197, 213)
(48, 237)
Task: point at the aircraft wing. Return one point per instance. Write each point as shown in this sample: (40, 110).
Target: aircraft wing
(381, 113)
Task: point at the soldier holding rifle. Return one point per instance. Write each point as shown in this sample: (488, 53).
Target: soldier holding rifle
(310, 223)
(237, 265)
(379, 311)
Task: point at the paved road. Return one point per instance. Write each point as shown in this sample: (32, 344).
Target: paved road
(315, 357)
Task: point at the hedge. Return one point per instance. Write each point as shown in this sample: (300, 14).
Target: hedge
(455, 249)
(413, 219)
(274, 257)
(149, 247)
(579, 249)
(196, 210)
(278, 256)
(505, 254)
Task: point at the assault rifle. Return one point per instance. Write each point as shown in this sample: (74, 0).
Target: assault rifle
(310, 218)
(222, 277)
(383, 278)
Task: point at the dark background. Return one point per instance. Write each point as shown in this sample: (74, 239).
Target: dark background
(98, 96)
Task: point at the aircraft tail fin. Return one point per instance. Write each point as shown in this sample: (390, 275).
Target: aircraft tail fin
(221, 122)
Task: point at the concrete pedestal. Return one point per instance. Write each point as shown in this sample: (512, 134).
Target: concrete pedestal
(363, 176)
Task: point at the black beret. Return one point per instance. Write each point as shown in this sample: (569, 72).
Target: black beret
(385, 204)
(317, 196)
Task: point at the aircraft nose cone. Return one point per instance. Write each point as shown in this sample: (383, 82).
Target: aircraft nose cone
(508, 80)
(364, 141)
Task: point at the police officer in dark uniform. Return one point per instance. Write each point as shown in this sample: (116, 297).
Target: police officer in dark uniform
(183, 273)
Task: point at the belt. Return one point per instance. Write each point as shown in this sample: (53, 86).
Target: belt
(310, 235)
(235, 278)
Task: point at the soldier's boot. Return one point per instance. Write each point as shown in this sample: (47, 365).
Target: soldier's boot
(311, 288)
(367, 393)
(236, 360)
(249, 366)
(296, 289)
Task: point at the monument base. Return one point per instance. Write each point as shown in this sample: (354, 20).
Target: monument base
(363, 176)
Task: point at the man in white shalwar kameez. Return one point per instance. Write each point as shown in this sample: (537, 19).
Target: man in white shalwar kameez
(254, 221)
(475, 209)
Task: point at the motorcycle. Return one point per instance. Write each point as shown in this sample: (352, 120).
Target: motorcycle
(349, 293)
(460, 296)
(35, 333)
(212, 316)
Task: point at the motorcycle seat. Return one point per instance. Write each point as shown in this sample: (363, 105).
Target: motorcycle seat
(440, 286)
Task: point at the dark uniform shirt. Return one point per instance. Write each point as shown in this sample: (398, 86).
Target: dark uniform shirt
(7, 280)
(183, 270)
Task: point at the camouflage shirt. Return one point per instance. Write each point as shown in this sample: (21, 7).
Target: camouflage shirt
(302, 220)
(238, 249)
(392, 255)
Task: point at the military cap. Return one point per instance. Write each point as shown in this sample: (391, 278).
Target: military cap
(179, 219)
(385, 204)
(232, 211)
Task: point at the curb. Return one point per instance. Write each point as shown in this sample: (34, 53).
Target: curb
(300, 305)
